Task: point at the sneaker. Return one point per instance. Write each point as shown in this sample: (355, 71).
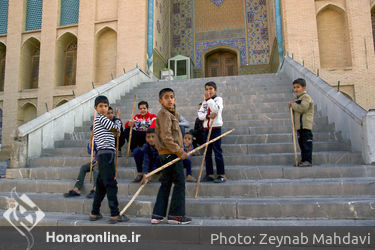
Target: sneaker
(138, 178)
(71, 193)
(190, 178)
(219, 179)
(156, 219)
(207, 178)
(91, 194)
(118, 218)
(94, 217)
(298, 164)
(305, 164)
(180, 220)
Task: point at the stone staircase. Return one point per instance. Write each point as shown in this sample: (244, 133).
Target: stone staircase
(262, 183)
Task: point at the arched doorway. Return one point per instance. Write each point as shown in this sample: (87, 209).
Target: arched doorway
(221, 62)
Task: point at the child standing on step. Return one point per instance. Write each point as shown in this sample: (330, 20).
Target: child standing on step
(211, 115)
(106, 183)
(169, 144)
(303, 110)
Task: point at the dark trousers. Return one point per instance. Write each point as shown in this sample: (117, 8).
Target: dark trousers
(199, 138)
(106, 184)
(187, 166)
(138, 158)
(216, 146)
(305, 141)
(172, 174)
(82, 173)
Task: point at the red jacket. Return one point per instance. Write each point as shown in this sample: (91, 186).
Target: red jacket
(143, 123)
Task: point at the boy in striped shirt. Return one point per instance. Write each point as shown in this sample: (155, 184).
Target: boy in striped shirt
(105, 142)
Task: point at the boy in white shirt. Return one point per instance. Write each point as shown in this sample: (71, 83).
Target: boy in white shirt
(211, 115)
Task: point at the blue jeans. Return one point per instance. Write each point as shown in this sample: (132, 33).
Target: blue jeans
(187, 165)
(216, 146)
(138, 158)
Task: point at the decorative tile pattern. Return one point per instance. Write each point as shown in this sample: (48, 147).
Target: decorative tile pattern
(69, 12)
(218, 3)
(34, 14)
(257, 31)
(162, 41)
(200, 47)
(182, 28)
(4, 5)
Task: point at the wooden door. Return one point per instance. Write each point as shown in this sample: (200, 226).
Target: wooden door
(221, 63)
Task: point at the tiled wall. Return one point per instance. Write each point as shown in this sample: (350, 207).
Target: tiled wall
(257, 32)
(34, 14)
(4, 16)
(161, 27)
(182, 36)
(69, 12)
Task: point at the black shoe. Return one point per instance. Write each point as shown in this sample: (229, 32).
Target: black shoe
(138, 178)
(156, 219)
(180, 220)
(219, 179)
(91, 194)
(71, 193)
(95, 217)
(119, 218)
(207, 179)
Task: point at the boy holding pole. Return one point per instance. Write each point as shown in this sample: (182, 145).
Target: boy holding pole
(168, 142)
(211, 115)
(303, 109)
(106, 183)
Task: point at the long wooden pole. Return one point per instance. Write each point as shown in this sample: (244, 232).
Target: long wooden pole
(131, 130)
(294, 137)
(169, 164)
(92, 146)
(203, 160)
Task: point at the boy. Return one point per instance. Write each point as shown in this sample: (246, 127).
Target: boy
(211, 115)
(169, 145)
(105, 142)
(188, 140)
(151, 160)
(140, 123)
(76, 191)
(303, 109)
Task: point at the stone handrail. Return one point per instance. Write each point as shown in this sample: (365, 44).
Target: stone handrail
(355, 124)
(42, 132)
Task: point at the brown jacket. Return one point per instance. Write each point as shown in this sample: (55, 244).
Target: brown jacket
(303, 109)
(168, 133)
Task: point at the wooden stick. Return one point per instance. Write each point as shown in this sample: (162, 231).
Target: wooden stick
(294, 136)
(169, 164)
(92, 146)
(117, 142)
(203, 160)
(131, 130)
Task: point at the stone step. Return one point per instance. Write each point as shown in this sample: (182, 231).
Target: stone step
(337, 207)
(232, 172)
(229, 189)
(220, 86)
(58, 219)
(229, 139)
(228, 149)
(320, 128)
(195, 100)
(319, 158)
(243, 123)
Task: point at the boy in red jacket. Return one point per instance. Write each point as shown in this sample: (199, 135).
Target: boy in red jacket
(140, 124)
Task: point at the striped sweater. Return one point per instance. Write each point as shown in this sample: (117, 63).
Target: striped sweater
(103, 137)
